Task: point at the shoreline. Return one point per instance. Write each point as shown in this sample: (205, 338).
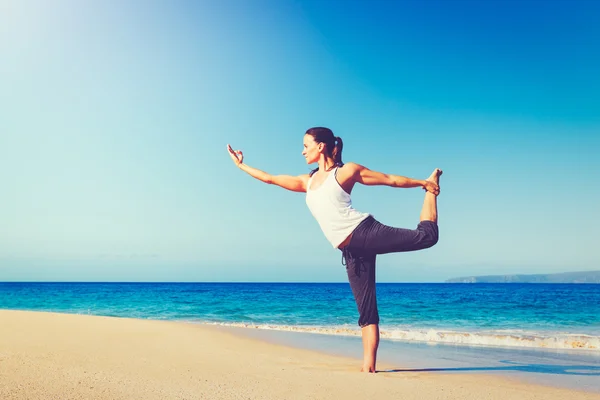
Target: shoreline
(419, 313)
(45, 355)
(552, 341)
(558, 368)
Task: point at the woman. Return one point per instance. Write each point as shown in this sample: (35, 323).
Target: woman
(358, 235)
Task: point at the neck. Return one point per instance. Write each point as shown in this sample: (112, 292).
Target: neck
(325, 163)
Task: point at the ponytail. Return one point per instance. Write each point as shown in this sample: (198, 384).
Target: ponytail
(336, 153)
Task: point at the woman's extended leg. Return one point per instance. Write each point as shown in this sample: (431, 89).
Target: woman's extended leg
(429, 211)
(383, 239)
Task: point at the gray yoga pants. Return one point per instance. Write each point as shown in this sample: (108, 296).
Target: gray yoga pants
(369, 239)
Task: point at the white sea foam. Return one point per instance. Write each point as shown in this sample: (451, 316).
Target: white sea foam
(526, 339)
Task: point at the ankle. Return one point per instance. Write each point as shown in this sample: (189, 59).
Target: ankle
(368, 368)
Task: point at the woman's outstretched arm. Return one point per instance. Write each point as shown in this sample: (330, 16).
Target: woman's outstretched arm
(293, 183)
(366, 176)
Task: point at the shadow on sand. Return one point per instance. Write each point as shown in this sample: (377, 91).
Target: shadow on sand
(583, 370)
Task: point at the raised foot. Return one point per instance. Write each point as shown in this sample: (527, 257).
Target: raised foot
(435, 175)
(433, 182)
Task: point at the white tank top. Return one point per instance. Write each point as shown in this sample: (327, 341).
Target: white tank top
(332, 208)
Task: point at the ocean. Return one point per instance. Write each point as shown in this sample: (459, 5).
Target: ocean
(533, 316)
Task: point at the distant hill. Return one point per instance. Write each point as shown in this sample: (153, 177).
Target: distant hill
(565, 277)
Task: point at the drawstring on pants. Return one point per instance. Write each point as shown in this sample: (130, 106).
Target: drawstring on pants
(359, 266)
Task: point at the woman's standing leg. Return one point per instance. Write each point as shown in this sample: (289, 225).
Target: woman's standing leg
(370, 338)
(361, 276)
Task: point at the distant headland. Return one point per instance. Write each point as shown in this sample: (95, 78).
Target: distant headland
(564, 277)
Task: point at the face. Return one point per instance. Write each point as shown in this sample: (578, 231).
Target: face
(312, 150)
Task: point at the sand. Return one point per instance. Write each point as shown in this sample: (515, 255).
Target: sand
(64, 356)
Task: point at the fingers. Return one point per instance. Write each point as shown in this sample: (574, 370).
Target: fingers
(232, 151)
(432, 188)
(236, 155)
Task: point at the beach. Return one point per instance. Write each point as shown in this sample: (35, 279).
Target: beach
(65, 356)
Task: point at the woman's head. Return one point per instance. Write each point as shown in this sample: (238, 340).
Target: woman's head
(319, 141)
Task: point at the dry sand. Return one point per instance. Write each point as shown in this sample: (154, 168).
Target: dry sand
(62, 356)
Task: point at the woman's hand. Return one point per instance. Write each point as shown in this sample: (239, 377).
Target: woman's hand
(236, 155)
(432, 187)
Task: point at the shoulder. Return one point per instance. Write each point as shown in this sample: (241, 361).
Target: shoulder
(304, 178)
(349, 172)
(352, 167)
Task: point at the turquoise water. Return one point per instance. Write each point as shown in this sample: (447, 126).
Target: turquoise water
(544, 316)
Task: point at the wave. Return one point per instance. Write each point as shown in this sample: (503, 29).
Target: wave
(522, 339)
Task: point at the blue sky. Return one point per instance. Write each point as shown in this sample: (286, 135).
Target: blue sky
(115, 116)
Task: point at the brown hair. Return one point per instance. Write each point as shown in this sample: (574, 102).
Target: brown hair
(333, 144)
